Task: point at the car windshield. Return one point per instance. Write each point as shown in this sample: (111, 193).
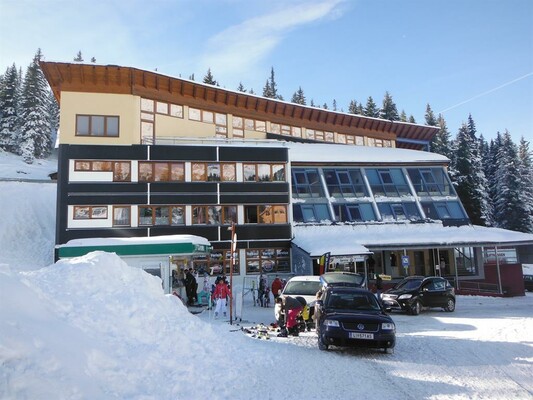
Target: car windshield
(306, 288)
(409, 284)
(339, 278)
(352, 301)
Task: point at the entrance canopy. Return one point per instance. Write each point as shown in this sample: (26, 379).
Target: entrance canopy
(354, 239)
(137, 246)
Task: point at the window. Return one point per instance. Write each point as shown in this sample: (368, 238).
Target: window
(161, 172)
(161, 215)
(430, 181)
(206, 116)
(214, 215)
(90, 212)
(265, 214)
(443, 210)
(310, 212)
(387, 182)
(354, 212)
(213, 172)
(216, 263)
(238, 126)
(398, 211)
(221, 125)
(263, 172)
(121, 171)
(97, 125)
(86, 165)
(345, 183)
(306, 183)
(267, 260)
(121, 216)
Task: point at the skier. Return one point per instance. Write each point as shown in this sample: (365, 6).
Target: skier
(291, 306)
(220, 295)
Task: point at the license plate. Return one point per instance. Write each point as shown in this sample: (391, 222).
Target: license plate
(358, 335)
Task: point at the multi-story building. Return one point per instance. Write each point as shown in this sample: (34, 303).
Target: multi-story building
(143, 154)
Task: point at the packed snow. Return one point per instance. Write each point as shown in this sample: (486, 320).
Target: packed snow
(95, 328)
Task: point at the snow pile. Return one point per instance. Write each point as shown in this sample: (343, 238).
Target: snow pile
(13, 167)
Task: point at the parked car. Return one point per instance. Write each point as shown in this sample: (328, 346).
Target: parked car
(351, 316)
(528, 283)
(416, 292)
(306, 287)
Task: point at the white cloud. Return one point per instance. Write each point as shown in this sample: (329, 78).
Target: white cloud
(239, 48)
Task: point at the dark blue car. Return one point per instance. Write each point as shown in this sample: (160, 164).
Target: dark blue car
(351, 316)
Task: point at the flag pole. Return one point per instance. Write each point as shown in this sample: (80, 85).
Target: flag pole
(232, 262)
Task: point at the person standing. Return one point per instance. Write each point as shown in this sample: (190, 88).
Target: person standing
(190, 286)
(220, 295)
(379, 286)
(261, 287)
(276, 287)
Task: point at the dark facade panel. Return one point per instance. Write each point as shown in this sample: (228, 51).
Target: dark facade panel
(206, 231)
(184, 198)
(95, 152)
(107, 187)
(116, 199)
(264, 232)
(254, 154)
(254, 187)
(70, 234)
(183, 153)
(183, 187)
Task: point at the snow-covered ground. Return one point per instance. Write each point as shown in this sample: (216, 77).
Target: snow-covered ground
(95, 328)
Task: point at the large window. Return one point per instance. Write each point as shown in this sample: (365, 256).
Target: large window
(216, 263)
(161, 172)
(431, 181)
(121, 216)
(388, 182)
(267, 260)
(398, 211)
(310, 212)
(443, 210)
(265, 214)
(213, 172)
(306, 183)
(263, 172)
(354, 212)
(161, 215)
(345, 183)
(97, 125)
(121, 171)
(214, 215)
(90, 212)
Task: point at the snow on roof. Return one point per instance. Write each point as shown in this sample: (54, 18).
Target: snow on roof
(349, 239)
(126, 241)
(318, 152)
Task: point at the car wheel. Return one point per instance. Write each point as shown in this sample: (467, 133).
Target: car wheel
(416, 308)
(321, 344)
(450, 305)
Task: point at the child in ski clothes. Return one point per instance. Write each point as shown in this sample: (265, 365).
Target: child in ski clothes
(292, 308)
(220, 294)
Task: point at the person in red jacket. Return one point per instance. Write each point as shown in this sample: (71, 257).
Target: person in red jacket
(221, 293)
(276, 287)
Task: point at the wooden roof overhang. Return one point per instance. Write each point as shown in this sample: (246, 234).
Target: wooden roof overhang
(93, 78)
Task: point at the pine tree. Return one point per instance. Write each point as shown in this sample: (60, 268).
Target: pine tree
(526, 177)
(9, 110)
(209, 79)
(440, 143)
(325, 106)
(352, 108)
(241, 88)
(509, 210)
(271, 88)
(403, 116)
(334, 105)
(79, 57)
(484, 152)
(93, 60)
(388, 110)
(35, 139)
(299, 97)
(470, 180)
(53, 112)
(267, 90)
(312, 104)
(371, 109)
(412, 119)
(430, 117)
(360, 109)
(191, 77)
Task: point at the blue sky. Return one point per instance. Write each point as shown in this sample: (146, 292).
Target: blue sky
(460, 56)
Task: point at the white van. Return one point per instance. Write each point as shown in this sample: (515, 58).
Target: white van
(305, 286)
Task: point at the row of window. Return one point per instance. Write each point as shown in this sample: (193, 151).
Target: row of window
(175, 215)
(155, 171)
(257, 260)
(382, 182)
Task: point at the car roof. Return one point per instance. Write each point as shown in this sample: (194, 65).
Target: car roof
(352, 289)
(341, 278)
(305, 278)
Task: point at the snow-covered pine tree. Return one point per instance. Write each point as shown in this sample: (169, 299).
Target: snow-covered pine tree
(412, 119)
(430, 116)
(267, 91)
(53, 112)
(403, 116)
(9, 110)
(299, 97)
(35, 140)
(209, 79)
(334, 105)
(388, 110)
(440, 143)
(371, 109)
(509, 211)
(470, 179)
(79, 57)
(526, 175)
(484, 152)
(352, 108)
